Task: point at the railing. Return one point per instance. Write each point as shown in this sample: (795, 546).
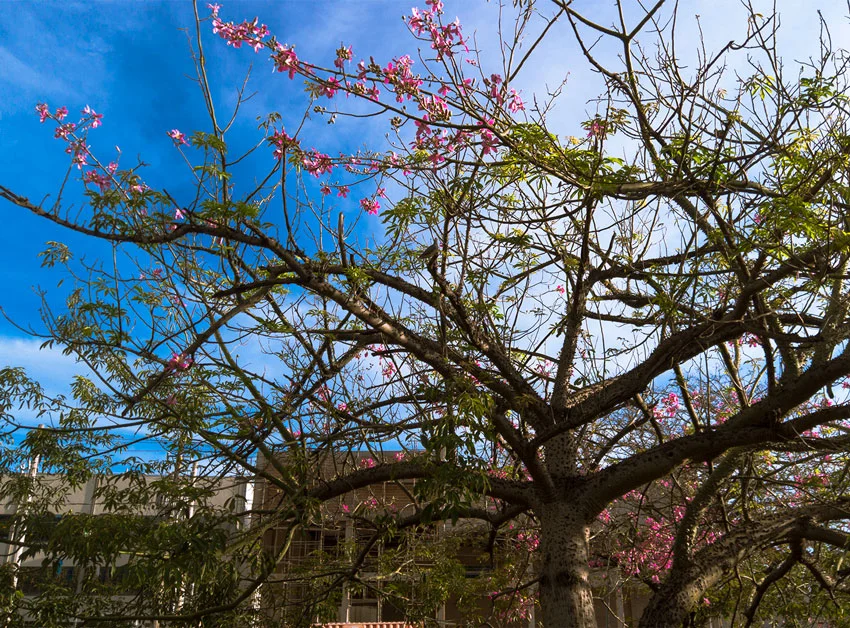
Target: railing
(368, 624)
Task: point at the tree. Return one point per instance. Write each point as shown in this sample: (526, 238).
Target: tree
(647, 349)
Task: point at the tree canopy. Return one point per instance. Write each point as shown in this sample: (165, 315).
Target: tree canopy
(621, 345)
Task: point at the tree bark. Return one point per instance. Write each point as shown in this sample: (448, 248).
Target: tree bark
(566, 599)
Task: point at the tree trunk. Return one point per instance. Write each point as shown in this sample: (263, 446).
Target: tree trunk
(566, 600)
(669, 608)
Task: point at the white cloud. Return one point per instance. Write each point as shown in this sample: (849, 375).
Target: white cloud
(49, 366)
(24, 78)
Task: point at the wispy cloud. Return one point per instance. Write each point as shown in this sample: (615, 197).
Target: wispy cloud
(24, 78)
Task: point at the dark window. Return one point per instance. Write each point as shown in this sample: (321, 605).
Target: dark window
(30, 580)
(5, 527)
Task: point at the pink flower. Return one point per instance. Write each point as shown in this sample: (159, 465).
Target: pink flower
(178, 137)
(179, 362)
(96, 118)
(342, 407)
(516, 103)
(214, 8)
(80, 151)
(285, 60)
(387, 369)
(61, 112)
(282, 141)
(495, 92)
(560, 290)
(370, 205)
(345, 508)
(330, 88)
(596, 129)
(178, 214)
(64, 130)
(325, 189)
(43, 112)
(342, 191)
(100, 180)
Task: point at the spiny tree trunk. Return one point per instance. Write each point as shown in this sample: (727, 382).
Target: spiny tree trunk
(670, 611)
(565, 595)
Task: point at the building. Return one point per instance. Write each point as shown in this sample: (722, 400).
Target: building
(32, 574)
(393, 577)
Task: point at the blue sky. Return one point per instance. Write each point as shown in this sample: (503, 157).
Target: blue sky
(129, 61)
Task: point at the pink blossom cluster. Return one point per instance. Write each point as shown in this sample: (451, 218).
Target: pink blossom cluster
(329, 87)
(388, 368)
(156, 273)
(62, 131)
(69, 131)
(500, 474)
(235, 35)
(668, 407)
(545, 368)
(400, 77)
(527, 541)
(370, 206)
(281, 141)
(516, 609)
(438, 145)
(253, 33)
(515, 103)
(444, 37)
(317, 163)
(94, 119)
(102, 180)
(489, 141)
(650, 552)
